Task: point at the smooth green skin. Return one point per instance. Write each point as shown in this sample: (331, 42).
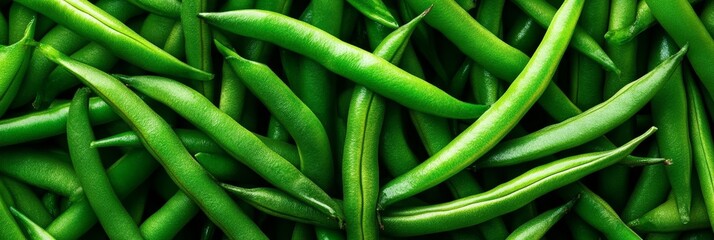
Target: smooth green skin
(485, 86)
(702, 144)
(643, 21)
(360, 165)
(125, 175)
(310, 81)
(11, 230)
(166, 222)
(91, 174)
(394, 150)
(261, 51)
(524, 34)
(18, 18)
(309, 135)
(225, 168)
(678, 18)
(504, 198)
(196, 141)
(707, 17)
(160, 140)
(280, 204)
(67, 41)
(586, 76)
(543, 13)
(597, 212)
(198, 43)
(599, 120)
(46, 170)
(669, 113)
(98, 26)
(346, 60)
(538, 226)
(166, 8)
(491, 127)
(376, 11)
(665, 217)
(48, 123)
(26, 200)
(34, 231)
(649, 192)
(236, 140)
(232, 94)
(15, 59)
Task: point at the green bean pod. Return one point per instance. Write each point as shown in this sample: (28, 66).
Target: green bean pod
(543, 13)
(599, 120)
(669, 113)
(87, 163)
(224, 168)
(376, 11)
(702, 144)
(11, 230)
(650, 191)
(309, 134)
(18, 18)
(643, 21)
(486, 131)
(158, 137)
(681, 22)
(166, 8)
(665, 217)
(597, 212)
(49, 122)
(34, 231)
(26, 200)
(538, 226)
(46, 170)
(280, 204)
(166, 222)
(362, 67)
(504, 198)
(586, 75)
(248, 149)
(707, 17)
(98, 26)
(125, 175)
(15, 59)
(198, 37)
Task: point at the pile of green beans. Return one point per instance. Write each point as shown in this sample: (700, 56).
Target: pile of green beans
(349, 119)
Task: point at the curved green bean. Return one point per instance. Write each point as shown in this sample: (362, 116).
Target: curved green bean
(34, 231)
(376, 11)
(702, 144)
(15, 59)
(166, 8)
(538, 226)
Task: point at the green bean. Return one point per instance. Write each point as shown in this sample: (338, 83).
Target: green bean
(669, 113)
(376, 11)
(280, 204)
(542, 12)
(424, 41)
(164, 145)
(98, 26)
(250, 151)
(10, 228)
(232, 93)
(51, 203)
(643, 21)
(166, 222)
(198, 43)
(309, 135)
(91, 174)
(66, 41)
(524, 34)
(506, 197)
(665, 217)
(486, 131)
(485, 86)
(707, 17)
(46, 170)
(702, 144)
(597, 212)
(598, 119)
(49, 122)
(682, 24)
(649, 192)
(28, 202)
(372, 71)
(19, 18)
(586, 75)
(33, 231)
(125, 174)
(166, 8)
(136, 203)
(225, 168)
(15, 59)
(538, 226)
